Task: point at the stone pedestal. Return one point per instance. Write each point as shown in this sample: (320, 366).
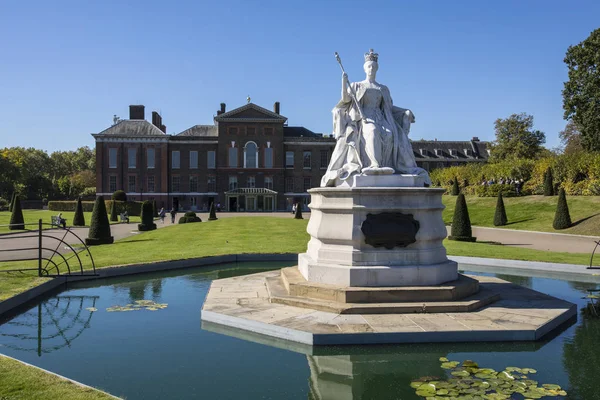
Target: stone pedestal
(382, 230)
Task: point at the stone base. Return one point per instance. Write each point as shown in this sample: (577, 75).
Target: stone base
(381, 177)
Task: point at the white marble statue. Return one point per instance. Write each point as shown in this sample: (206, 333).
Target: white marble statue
(371, 133)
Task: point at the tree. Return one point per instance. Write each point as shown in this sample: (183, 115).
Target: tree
(147, 217)
(113, 211)
(516, 138)
(16, 217)
(455, 189)
(79, 218)
(548, 183)
(212, 215)
(562, 218)
(570, 137)
(581, 93)
(100, 227)
(298, 214)
(119, 195)
(500, 218)
(461, 223)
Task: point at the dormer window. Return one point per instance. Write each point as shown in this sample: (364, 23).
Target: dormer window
(438, 152)
(468, 152)
(423, 152)
(453, 152)
(489, 152)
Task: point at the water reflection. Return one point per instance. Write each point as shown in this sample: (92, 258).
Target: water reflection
(581, 359)
(51, 325)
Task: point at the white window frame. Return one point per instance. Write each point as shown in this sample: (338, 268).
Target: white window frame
(113, 155)
(287, 155)
(151, 188)
(150, 157)
(234, 151)
(211, 155)
(129, 178)
(111, 177)
(233, 182)
(251, 182)
(193, 165)
(175, 161)
(131, 158)
(269, 182)
(255, 155)
(309, 154)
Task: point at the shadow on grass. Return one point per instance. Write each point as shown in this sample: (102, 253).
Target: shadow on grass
(519, 221)
(583, 220)
(136, 240)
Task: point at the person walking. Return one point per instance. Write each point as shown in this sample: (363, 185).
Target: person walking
(173, 215)
(162, 214)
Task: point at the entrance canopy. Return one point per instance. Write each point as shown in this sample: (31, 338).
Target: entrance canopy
(262, 191)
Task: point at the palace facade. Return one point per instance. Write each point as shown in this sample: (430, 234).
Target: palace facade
(248, 160)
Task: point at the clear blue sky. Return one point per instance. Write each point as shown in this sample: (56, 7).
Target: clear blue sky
(67, 66)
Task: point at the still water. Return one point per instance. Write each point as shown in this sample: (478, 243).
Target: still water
(169, 354)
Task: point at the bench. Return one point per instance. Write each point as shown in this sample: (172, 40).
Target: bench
(56, 221)
(124, 218)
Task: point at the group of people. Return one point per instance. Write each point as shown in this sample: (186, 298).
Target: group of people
(162, 214)
(518, 183)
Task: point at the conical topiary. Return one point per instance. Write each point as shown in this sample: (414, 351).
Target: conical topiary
(16, 217)
(548, 184)
(500, 215)
(113, 211)
(455, 189)
(298, 214)
(154, 209)
(562, 218)
(461, 223)
(212, 216)
(147, 218)
(79, 218)
(12, 201)
(100, 227)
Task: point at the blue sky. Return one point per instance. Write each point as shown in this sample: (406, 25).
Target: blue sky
(67, 66)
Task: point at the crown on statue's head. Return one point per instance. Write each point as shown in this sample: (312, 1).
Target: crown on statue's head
(371, 56)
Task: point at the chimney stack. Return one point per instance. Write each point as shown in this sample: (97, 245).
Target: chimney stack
(136, 112)
(163, 128)
(475, 139)
(222, 110)
(156, 119)
(276, 107)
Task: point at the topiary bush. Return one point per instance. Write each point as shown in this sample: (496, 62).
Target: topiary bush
(154, 209)
(79, 218)
(12, 201)
(455, 189)
(119, 195)
(548, 183)
(16, 217)
(461, 223)
(113, 211)
(212, 215)
(500, 218)
(100, 227)
(562, 218)
(298, 214)
(188, 217)
(147, 217)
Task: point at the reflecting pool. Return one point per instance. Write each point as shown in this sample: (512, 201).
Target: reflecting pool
(166, 353)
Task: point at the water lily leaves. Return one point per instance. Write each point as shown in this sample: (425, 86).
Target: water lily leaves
(139, 305)
(92, 309)
(469, 382)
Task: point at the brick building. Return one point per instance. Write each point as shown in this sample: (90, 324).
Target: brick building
(248, 160)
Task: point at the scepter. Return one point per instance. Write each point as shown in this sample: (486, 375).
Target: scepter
(352, 93)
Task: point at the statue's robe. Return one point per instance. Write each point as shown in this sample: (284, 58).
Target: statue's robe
(348, 156)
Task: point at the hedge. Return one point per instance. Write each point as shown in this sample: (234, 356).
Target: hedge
(188, 217)
(134, 208)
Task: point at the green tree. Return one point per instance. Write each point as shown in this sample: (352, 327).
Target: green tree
(455, 188)
(570, 137)
(119, 195)
(212, 215)
(562, 218)
(500, 218)
(516, 138)
(461, 223)
(548, 183)
(99, 232)
(147, 217)
(16, 217)
(581, 93)
(79, 218)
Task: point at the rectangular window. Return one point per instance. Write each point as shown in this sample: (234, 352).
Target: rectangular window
(211, 159)
(268, 131)
(269, 158)
(193, 160)
(151, 184)
(307, 184)
(150, 153)
(112, 183)
(193, 184)
(289, 184)
(131, 184)
(212, 184)
(324, 160)
(250, 131)
(175, 184)
(233, 131)
(289, 159)
(131, 157)
(233, 182)
(175, 162)
(233, 157)
(269, 182)
(112, 158)
(307, 160)
(251, 182)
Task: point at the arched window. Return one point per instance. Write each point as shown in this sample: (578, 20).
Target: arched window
(251, 155)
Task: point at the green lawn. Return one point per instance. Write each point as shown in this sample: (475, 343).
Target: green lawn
(18, 381)
(532, 213)
(32, 217)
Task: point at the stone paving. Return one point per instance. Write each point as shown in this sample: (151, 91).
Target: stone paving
(520, 315)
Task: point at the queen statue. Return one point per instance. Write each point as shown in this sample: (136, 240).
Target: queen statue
(371, 133)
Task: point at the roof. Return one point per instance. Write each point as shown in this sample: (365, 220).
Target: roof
(200, 130)
(133, 127)
(452, 150)
(251, 112)
(251, 191)
(299, 131)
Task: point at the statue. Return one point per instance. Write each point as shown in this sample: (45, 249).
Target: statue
(371, 133)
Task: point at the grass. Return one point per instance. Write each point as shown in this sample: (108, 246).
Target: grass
(19, 381)
(32, 217)
(532, 213)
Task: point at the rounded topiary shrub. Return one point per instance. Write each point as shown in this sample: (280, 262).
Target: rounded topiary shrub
(16, 217)
(500, 218)
(119, 195)
(461, 223)
(100, 227)
(298, 214)
(147, 217)
(562, 218)
(455, 189)
(212, 215)
(189, 216)
(79, 218)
